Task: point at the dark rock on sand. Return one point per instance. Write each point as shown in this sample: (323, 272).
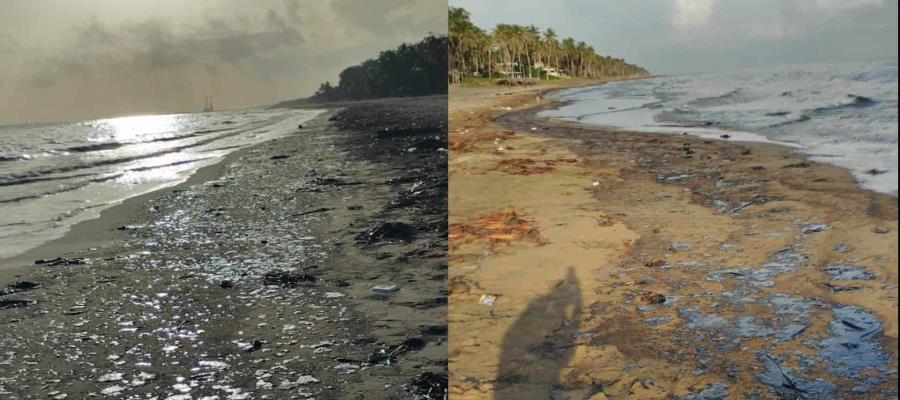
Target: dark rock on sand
(388, 231)
(287, 278)
(61, 261)
(6, 304)
(16, 287)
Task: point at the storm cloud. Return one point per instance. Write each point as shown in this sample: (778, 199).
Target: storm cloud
(99, 59)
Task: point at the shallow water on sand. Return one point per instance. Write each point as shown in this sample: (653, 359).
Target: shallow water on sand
(843, 114)
(55, 175)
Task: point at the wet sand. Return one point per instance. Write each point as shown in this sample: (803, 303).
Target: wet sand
(632, 265)
(252, 279)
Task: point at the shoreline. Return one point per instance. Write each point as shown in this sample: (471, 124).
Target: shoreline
(530, 115)
(714, 132)
(101, 230)
(707, 250)
(256, 283)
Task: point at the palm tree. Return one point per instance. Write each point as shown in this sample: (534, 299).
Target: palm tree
(472, 51)
(551, 46)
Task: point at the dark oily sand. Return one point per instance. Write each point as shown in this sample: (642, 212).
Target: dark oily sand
(772, 293)
(845, 273)
(785, 385)
(854, 346)
(716, 391)
(233, 288)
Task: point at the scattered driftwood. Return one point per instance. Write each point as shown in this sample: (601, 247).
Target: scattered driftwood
(61, 261)
(317, 210)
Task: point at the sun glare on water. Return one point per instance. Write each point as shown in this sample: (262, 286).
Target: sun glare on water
(141, 128)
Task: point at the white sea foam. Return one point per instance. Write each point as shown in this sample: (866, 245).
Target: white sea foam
(843, 114)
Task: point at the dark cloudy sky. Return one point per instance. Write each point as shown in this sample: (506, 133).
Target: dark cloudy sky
(679, 36)
(72, 60)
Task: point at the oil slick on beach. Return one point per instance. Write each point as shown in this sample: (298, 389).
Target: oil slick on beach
(843, 114)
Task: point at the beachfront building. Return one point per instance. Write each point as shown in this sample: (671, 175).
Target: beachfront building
(508, 69)
(548, 71)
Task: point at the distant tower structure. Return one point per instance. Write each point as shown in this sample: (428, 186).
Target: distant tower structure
(208, 107)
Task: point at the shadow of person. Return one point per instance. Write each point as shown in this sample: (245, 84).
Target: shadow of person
(540, 344)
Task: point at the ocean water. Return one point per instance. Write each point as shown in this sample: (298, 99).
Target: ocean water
(843, 114)
(55, 175)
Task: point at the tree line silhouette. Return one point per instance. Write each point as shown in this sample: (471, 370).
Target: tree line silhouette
(524, 51)
(409, 70)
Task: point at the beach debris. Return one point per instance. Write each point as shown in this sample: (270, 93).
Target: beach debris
(333, 295)
(488, 300)
(19, 286)
(7, 304)
(286, 278)
(880, 230)
(75, 310)
(757, 199)
(279, 157)
(430, 385)
(62, 261)
(802, 164)
(250, 347)
(677, 177)
(605, 220)
(653, 298)
(385, 289)
(313, 211)
(815, 228)
(495, 228)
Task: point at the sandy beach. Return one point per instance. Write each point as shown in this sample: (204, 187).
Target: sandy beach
(587, 263)
(254, 278)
